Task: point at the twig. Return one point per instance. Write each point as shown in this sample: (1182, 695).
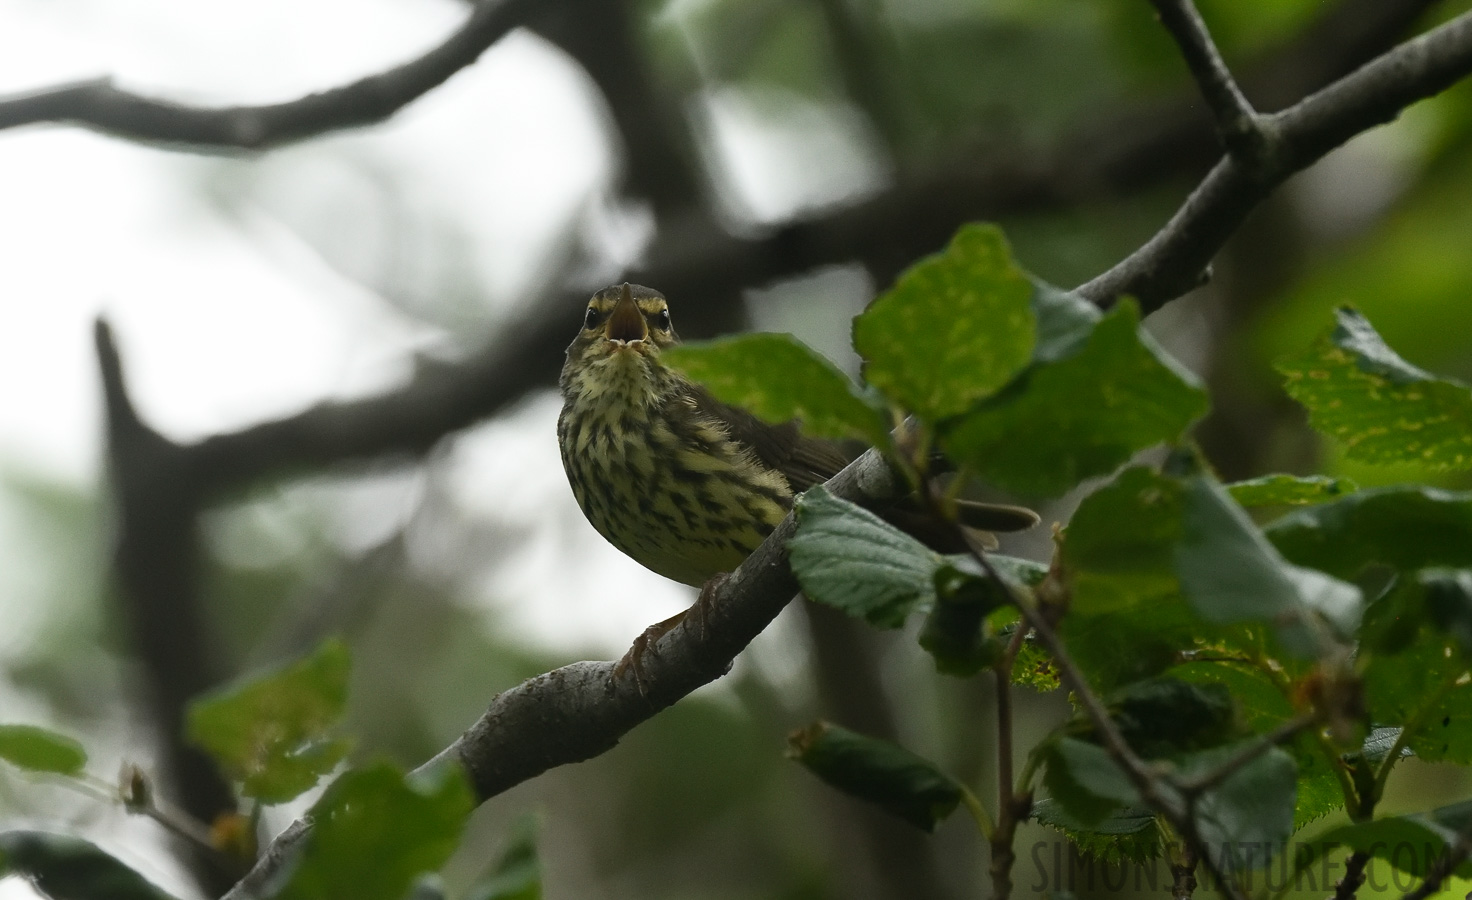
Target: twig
(1238, 124)
(1280, 735)
(1171, 262)
(1183, 884)
(1354, 876)
(1444, 866)
(101, 106)
(1012, 807)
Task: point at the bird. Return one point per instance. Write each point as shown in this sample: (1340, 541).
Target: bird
(680, 482)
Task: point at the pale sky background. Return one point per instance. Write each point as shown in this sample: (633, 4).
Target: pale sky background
(225, 279)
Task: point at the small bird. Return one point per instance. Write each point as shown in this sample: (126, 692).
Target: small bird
(682, 483)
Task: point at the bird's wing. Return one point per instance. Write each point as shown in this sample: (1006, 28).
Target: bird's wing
(803, 461)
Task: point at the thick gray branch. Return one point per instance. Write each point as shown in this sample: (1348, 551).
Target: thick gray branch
(103, 107)
(578, 712)
(1172, 262)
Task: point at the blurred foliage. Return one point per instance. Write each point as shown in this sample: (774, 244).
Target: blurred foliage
(697, 803)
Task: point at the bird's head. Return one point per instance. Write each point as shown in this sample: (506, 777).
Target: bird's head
(624, 319)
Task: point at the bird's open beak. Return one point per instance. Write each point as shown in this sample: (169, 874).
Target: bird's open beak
(626, 322)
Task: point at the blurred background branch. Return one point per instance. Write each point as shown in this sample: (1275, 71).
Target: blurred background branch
(939, 158)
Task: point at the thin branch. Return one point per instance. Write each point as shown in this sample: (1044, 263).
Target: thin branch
(101, 106)
(1236, 120)
(1354, 876)
(1444, 866)
(577, 712)
(1172, 262)
(1280, 735)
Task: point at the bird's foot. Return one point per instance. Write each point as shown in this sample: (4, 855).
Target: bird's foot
(701, 609)
(699, 613)
(633, 661)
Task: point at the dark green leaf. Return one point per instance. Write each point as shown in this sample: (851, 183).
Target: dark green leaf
(776, 377)
(1263, 706)
(1424, 689)
(63, 867)
(1065, 322)
(1253, 806)
(518, 873)
(1289, 490)
(889, 776)
(375, 830)
(1167, 716)
(270, 732)
(1230, 573)
(1119, 547)
(1382, 408)
(41, 750)
(849, 558)
(1449, 603)
(1408, 843)
(955, 327)
(955, 632)
(1125, 835)
(1084, 414)
(1405, 528)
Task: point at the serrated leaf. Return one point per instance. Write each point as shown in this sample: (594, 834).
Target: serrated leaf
(1082, 415)
(375, 830)
(1289, 490)
(885, 774)
(847, 557)
(64, 867)
(1404, 528)
(1252, 807)
(777, 378)
(1383, 409)
(1263, 707)
(517, 875)
(1125, 835)
(954, 328)
(1408, 843)
(1425, 690)
(38, 749)
(270, 732)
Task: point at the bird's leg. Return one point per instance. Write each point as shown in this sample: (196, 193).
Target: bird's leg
(633, 661)
(701, 608)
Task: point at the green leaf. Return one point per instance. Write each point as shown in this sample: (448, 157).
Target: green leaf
(1167, 716)
(517, 875)
(1082, 415)
(887, 775)
(270, 732)
(1383, 409)
(954, 328)
(1408, 843)
(41, 750)
(1262, 706)
(1230, 573)
(955, 632)
(1289, 490)
(68, 868)
(1125, 835)
(847, 557)
(776, 377)
(1405, 528)
(1252, 807)
(375, 830)
(1424, 690)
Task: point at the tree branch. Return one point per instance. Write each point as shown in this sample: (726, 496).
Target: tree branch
(1236, 120)
(1172, 262)
(578, 712)
(101, 106)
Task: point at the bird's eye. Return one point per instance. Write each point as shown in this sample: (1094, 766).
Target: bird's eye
(662, 320)
(591, 318)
